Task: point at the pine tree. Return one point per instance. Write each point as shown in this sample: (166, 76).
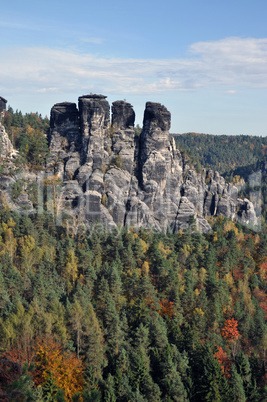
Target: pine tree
(243, 369)
(22, 388)
(236, 386)
(109, 391)
(76, 320)
(49, 389)
(171, 382)
(209, 381)
(112, 324)
(93, 342)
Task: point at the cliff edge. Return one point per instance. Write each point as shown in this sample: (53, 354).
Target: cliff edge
(114, 176)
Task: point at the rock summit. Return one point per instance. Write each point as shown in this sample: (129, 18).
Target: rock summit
(116, 176)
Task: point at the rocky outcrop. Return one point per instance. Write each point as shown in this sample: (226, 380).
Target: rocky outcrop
(101, 170)
(11, 173)
(3, 103)
(9, 176)
(7, 150)
(65, 139)
(112, 175)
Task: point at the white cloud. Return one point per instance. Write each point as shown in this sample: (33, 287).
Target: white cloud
(230, 62)
(237, 61)
(231, 92)
(45, 90)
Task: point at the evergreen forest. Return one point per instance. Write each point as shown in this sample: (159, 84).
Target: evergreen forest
(129, 315)
(223, 153)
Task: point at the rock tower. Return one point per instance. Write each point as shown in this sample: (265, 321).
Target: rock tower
(112, 175)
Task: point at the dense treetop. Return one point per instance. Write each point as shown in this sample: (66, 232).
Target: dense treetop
(131, 315)
(223, 152)
(28, 135)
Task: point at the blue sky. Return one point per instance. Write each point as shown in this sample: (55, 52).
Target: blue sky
(206, 61)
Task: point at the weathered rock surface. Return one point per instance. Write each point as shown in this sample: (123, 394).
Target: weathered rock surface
(3, 103)
(125, 179)
(7, 151)
(65, 139)
(110, 174)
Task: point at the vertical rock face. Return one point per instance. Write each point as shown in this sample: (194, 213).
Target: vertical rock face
(94, 114)
(116, 177)
(3, 103)
(7, 150)
(65, 139)
(156, 125)
(64, 125)
(7, 159)
(156, 153)
(123, 115)
(122, 135)
(95, 125)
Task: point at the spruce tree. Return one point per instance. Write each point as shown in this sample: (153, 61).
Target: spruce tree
(236, 386)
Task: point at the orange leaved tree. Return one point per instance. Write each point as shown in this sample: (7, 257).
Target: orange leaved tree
(225, 363)
(230, 331)
(65, 368)
(166, 308)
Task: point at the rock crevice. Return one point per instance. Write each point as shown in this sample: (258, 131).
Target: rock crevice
(126, 179)
(112, 175)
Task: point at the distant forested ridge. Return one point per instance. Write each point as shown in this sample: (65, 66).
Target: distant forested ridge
(223, 153)
(131, 315)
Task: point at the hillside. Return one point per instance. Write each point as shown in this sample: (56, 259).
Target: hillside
(128, 314)
(131, 315)
(223, 152)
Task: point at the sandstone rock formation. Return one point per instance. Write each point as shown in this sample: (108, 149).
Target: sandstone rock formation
(101, 170)
(3, 103)
(7, 150)
(8, 177)
(116, 177)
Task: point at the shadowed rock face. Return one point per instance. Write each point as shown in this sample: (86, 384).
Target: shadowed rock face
(123, 115)
(3, 103)
(63, 112)
(65, 138)
(113, 176)
(94, 115)
(156, 116)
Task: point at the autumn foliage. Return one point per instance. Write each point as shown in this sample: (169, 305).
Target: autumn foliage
(230, 331)
(141, 311)
(166, 308)
(66, 369)
(225, 363)
(49, 359)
